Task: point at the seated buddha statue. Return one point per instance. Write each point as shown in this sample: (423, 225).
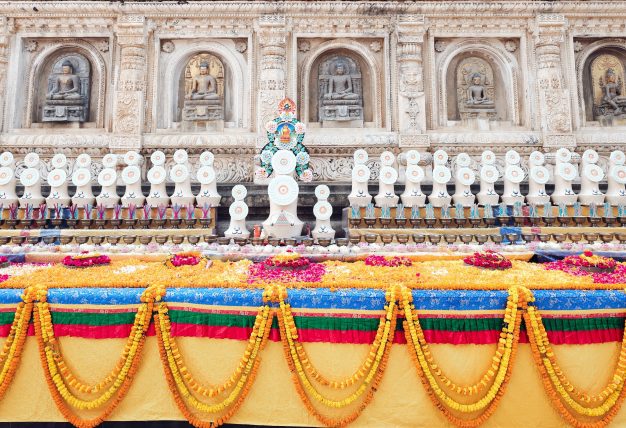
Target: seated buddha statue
(66, 85)
(476, 94)
(204, 86)
(340, 85)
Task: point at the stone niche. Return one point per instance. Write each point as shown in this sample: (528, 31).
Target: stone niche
(176, 109)
(64, 85)
(601, 67)
(341, 83)
(479, 84)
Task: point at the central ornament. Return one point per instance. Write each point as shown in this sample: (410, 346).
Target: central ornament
(284, 155)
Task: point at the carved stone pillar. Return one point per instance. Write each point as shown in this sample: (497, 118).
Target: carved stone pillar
(272, 37)
(411, 100)
(554, 97)
(5, 36)
(128, 117)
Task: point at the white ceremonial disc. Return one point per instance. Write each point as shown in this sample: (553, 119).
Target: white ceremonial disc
(489, 174)
(29, 177)
(179, 173)
(132, 158)
(81, 177)
(57, 177)
(465, 176)
(617, 157)
(567, 171)
(440, 157)
(590, 156)
(6, 159)
(388, 175)
(539, 174)
(322, 192)
(206, 174)
(537, 158)
(238, 210)
(361, 173)
(31, 160)
(239, 192)
(441, 174)
(322, 210)
(412, 157)
(6, 175)
(463, 160)
(109, 160)
(108, 177)
(83, 160)
(618, 173)
(387, 158)
(360, 156)
(514, 174)
(207, 158)
(593, 172)
(58, 161)
(283, 190)
(512, 157)
(157, 174)
(157, 158)
(414, 173)
(131, 174)
(488, 157)
(180, 156)
(563, 155)
(284, 162)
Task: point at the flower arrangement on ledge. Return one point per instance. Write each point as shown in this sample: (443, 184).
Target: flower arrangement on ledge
(395, 261)
(287, 260)
(86, 260)
(603, 270)
(189, 258)
(4, 262)
(488, 260)
(286, 267)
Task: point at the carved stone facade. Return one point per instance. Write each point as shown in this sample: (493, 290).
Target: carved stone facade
(545, 65)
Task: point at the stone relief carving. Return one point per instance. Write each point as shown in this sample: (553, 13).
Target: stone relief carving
(167, 46)
(607, 75)
(204, 93)
(340, 92)
(68, 90)
(31, 46)
(475, 89)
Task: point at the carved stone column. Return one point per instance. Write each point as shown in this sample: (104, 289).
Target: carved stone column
(554, 97)
(6, 28)
(411, 100)
(128, 116)
(272, 37)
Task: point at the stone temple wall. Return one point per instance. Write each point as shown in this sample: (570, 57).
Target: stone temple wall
(541, 68)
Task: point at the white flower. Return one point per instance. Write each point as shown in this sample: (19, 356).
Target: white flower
(266, 156)
(271, 126)
(307, 175)
(302, 158)
(300, 128)
(260, 173)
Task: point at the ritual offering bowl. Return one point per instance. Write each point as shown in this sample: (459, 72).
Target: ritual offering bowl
(355, 222)
(81, 239)
(591, 237)
(504, 219)
(434, 239)
(548, 221)
(594, 221)
(71, 223)
(402, 238)
(161, 239)
(450, 239)
(621, 237)
(178, 239)
(496, 238)
(355, 239)
(460, 222)
(41, 223)
(445, 222)
(158, 222)
(418, 238)
(130, 239)
(415, 222)
(175, 222)
(84, 223)
(387, 239)
(564, 221)
(559, 237)
(145, 239)
(622, 221)
(46, 240)
(609, 221)
(209, 239)
(129, 223)
(32, 240)
(528, 237)
(535, 221)
(97, 239)
(274, 242)
(64, 239)
(512, 237)
(100, 222)
(205, 222)
(222, 240)
(113, 240)
(385, 222)
(606, 237)
(144, 223)
(475, 222)
(430, 222)
(239, 241)
(544, 237)
(290, 241)
(578, 220)
(575, 237)
(56, 222)
(466, 238)
(342, 242)
(12, 222)
(482, 239)
(518, 220)
(324, 242)
(4, 239)
(307, 242)
(115, 223)
(401, 223)
(255, 241)
(490, 221)
(370, 222)
(190, 222)
(371, 238)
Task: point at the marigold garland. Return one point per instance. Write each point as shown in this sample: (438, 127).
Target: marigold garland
(180, 380)
(50, 354)
(560, 390)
